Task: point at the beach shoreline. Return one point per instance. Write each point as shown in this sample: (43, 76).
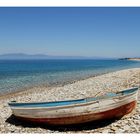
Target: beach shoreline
(131, 59)
(134, 59)
(47, 86)
(90, 87)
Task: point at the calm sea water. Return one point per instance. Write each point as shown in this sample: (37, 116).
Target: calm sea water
(19, 74)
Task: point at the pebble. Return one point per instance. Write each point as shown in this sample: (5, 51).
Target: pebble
(126, 127)
(105, 131)
(114, 128)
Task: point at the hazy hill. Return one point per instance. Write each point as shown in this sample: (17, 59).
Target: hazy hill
(13, 56)
(40, 56)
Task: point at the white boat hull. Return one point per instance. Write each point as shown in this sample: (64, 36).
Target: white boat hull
(79, 113)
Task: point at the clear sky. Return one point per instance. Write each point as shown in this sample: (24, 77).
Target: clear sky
(106, 32)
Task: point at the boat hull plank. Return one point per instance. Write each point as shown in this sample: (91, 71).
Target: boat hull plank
(114, 113)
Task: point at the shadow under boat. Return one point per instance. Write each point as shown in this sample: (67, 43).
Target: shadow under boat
(62, 128)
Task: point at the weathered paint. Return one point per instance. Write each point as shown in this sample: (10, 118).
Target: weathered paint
(114, 113)
(104, 108)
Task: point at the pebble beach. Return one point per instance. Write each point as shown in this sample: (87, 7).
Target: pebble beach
(91, 87)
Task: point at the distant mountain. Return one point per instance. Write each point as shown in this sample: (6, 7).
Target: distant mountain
(20, 56)
(36, 56)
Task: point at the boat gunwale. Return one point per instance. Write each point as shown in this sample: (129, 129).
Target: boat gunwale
(118, 95)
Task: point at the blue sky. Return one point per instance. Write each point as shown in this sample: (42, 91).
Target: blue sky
(104, 32)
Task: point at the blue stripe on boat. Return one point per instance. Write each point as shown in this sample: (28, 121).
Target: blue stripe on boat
(130, 90)
(69, 102)
(48, 104)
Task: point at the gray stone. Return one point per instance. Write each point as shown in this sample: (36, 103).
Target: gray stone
(126, 127)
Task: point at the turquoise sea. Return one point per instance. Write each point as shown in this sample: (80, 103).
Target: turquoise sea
(17, 75)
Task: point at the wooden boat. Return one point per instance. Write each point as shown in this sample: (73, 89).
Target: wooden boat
(78, 111)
